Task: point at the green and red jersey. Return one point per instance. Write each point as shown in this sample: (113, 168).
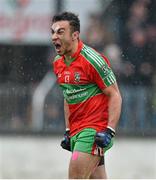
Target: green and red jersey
(83, 81)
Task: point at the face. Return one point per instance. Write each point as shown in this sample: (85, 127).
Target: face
(62, 38)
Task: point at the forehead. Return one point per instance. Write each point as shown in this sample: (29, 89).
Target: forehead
(60, 24)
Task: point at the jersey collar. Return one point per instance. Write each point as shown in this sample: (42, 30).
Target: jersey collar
(75, 55)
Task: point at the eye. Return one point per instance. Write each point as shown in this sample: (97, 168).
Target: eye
(52, 31)
(61, 31)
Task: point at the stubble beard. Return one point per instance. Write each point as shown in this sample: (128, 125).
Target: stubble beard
(67, 51)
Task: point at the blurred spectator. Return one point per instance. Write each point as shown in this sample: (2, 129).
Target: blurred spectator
(153, 107)
(138, 52)
(52, 116)
(113, 52)
(138, 14)
(53, 110)
(138, 65)
(97, 34)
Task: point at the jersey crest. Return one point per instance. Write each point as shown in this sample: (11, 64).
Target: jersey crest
(77, 77)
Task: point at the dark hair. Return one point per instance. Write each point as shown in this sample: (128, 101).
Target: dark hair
(68, 16)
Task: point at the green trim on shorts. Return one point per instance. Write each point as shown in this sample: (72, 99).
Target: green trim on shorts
(84, 142)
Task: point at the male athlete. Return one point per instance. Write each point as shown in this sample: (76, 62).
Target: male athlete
(92, 101)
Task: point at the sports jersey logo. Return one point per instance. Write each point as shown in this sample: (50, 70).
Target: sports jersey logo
(105, 69)
(77, 77)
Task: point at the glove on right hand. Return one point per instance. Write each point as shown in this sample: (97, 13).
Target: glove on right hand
(65, 143)
(103, 139)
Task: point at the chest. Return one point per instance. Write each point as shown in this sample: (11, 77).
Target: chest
(76, 73)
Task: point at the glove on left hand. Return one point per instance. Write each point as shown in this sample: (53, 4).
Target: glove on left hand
(103, 139)
(65, 143)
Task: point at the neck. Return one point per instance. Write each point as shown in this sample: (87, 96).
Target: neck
(73, 50)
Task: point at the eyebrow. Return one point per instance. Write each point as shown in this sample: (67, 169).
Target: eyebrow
(59, 29)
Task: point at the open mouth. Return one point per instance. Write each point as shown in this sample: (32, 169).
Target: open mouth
(57, 46)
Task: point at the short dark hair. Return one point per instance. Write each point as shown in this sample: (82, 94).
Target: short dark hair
(68, 16)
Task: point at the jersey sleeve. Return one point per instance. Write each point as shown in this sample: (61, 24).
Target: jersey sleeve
(54, 64)
(101, 72)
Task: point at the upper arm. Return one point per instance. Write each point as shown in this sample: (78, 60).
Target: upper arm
(66, 113)
(66, 107)
(101, 73)
(112, 90)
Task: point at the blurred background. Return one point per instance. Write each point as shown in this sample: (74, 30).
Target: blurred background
(31, 103)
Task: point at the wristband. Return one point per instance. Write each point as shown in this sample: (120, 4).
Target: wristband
(111, 128)
(110, 131)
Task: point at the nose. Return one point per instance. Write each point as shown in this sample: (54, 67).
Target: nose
(54, 36)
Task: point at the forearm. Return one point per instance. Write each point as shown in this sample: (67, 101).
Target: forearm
(114, 110)
(66, 114)
(65, 143)
(114, 105)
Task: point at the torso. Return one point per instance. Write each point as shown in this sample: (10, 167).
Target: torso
(82, 88)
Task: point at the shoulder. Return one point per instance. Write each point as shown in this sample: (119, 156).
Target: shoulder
(57, 58)
(93, 57)
(89, 51)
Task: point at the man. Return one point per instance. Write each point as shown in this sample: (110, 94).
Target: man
(92, 102)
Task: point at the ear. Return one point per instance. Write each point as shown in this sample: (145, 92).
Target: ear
(75, 35)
